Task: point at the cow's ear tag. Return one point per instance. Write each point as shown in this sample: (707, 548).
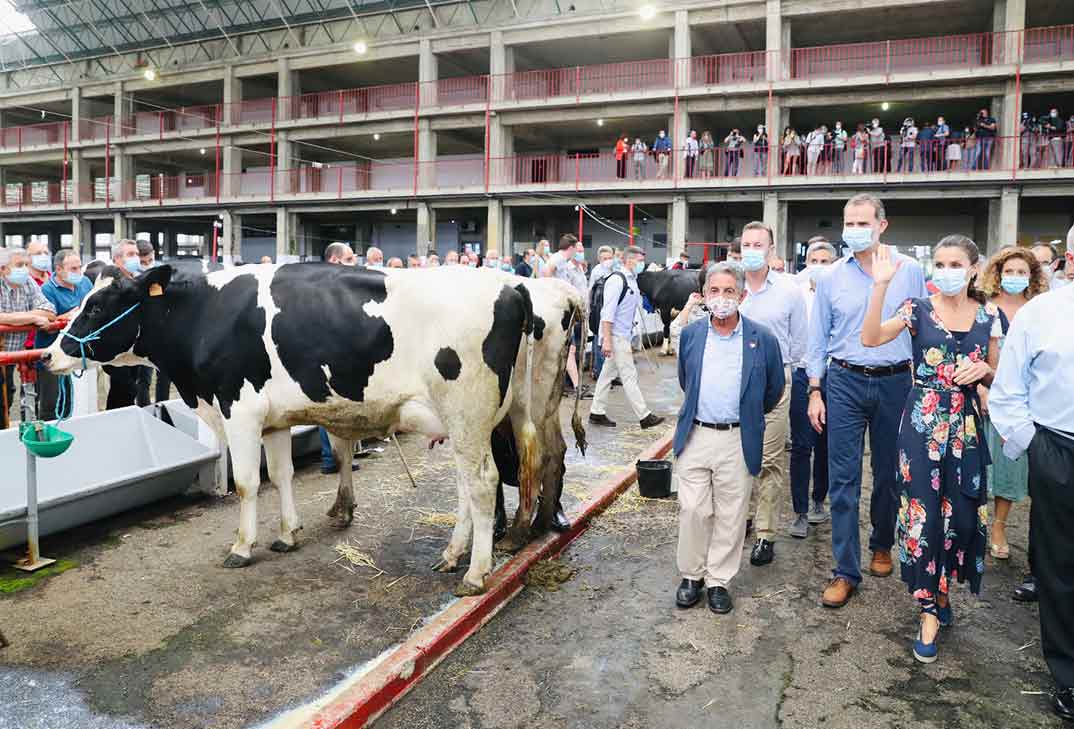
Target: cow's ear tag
(156, 289)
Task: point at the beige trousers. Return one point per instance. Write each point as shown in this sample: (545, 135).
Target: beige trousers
(714, 496)
(621, 365)
(770, 486)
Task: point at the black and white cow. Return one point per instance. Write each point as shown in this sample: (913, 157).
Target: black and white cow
(668, 291)
(260, 348)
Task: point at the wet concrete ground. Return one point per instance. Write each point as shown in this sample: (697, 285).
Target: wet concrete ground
(610, 650)
(148, 630)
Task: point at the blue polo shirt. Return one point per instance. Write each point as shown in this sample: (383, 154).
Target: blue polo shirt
(64, 299)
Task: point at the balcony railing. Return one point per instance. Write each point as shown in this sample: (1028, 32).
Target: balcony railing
(974, 51)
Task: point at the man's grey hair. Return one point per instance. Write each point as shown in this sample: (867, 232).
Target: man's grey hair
(865, 198)
(145, 248)
(820, 245)
(118, 246)
(61, 256)
(730, 269)
(336, 250)
(9, 253)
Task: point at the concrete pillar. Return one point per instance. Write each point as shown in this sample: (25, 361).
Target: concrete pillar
(1002, 220)
(288, 89)
(120, 229)
(3, 235)
(775, 217)
(426, 238)
(679, 132)
(678, 225)
(777, 41)
(76, 113)
(230, 243)
(80, 180)
(283, 162)
(286, 236)
(1005, 110)
(427, 72)
(1009, 17)
(501, 62)
(426, 154)
(122, 106)
(230, 167)
(232, 90)
(501, 142)
(82, 236)
(681, 47)
(776, 117)
(494, 224)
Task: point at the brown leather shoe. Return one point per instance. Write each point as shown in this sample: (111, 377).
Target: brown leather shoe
(838, 593)
(881, 565)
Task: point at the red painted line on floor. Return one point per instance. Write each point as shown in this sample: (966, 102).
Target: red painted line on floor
(383, 686)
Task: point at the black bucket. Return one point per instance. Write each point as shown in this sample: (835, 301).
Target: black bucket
(654, 479)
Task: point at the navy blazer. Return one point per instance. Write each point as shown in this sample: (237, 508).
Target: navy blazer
(762, 384)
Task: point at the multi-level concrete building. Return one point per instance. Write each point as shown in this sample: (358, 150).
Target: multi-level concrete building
(272, 127)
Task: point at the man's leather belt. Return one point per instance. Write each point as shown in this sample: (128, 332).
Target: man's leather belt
(717, 426)
(886, 371)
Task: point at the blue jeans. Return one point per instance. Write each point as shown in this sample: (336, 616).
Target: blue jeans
(328, 459)
(806, 442)
(984, 152)
(857, 401)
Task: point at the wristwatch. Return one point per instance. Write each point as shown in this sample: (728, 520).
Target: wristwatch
(814, 388)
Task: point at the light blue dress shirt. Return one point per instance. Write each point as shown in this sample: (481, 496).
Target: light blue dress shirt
(839, 307)
(1035, 379)
(780, 306)
(721, 377)
(621, 315)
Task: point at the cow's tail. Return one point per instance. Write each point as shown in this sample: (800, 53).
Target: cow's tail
(578, 314)
(528, 452)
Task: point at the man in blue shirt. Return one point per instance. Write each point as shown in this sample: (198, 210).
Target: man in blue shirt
(864, 388)
(731, 371)
(1031, 403)
(65, 289)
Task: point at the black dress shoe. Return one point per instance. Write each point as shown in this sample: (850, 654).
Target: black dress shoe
(1063, 703)
(720, 600)
(560, 522)
(651, 420)
(1027, 591)
(689, 593)
(604, 420)
(763, 553)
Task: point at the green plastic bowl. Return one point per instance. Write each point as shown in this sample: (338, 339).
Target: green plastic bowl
(49, 443)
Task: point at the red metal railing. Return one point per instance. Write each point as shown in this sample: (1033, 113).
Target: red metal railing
(251, 111)
(722, 69)
(348, 102)
(97, 128)
(1048, 44)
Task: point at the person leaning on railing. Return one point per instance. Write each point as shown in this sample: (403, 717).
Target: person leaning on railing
(21, 305)
(65, 290)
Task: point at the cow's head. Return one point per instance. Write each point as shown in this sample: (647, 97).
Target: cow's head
(102, 312)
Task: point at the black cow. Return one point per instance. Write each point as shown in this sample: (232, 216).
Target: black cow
(668, 291)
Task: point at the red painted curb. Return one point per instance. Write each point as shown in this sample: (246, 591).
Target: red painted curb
(378, 690)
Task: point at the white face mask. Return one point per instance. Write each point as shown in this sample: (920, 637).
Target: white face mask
(721, 307)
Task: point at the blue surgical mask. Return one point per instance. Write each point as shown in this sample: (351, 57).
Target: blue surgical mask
(858, 239)
(42, 262)
(752, 259)
(617, 265)
(949, 281)
(18, 276)
(580, 257)
(132, 264)
(507, 267)
(1014, 285)
(74, 278)
(639, 267)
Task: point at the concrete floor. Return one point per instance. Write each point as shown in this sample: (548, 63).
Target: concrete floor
(148, 630)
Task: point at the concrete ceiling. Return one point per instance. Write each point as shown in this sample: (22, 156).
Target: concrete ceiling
(585, 134)
(952, 18)
(590, 51)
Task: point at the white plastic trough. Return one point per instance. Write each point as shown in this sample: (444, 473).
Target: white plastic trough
(119, 460)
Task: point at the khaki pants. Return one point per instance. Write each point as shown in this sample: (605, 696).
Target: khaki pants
(714, 496)
(662, 166)
(770, 485)
(621, 365)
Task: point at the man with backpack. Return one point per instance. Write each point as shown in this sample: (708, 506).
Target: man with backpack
(612, 307)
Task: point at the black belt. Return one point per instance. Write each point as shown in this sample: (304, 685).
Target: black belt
(885, 371)
(717, 426)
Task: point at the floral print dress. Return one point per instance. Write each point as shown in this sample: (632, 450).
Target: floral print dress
(941, 532)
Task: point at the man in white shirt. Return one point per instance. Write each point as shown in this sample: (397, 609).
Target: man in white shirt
(1031, 404)
(621, 301)
(774, 301)
(605, 260)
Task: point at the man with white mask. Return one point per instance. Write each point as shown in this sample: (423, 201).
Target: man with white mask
(775, 301)
(865, 388)
(731, 374)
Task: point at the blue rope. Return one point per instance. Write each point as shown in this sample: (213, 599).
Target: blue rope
(63, 407)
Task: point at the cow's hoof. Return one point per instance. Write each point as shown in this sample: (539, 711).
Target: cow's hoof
(465, 589)
(235, 561)
(281, 546)
(445, 566)
(514, 540)
(338, 519)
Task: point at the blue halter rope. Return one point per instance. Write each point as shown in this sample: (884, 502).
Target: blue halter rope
(63, 408)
